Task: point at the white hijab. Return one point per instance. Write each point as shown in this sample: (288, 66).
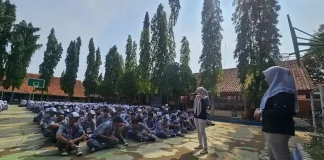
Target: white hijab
(280, 80)
(197, 102)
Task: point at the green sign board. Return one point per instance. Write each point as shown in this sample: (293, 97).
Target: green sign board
(36, 83)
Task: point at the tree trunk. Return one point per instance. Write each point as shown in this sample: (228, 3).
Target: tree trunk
(41, 98)
(12, 96)
(212, 104)
(313, 113)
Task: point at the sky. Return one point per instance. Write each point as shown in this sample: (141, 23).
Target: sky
(109, 22)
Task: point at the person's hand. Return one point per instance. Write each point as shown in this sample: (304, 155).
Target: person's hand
(257, 113)
(198, 95)
(70, 143)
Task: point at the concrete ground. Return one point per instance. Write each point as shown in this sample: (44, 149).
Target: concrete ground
(20, 139)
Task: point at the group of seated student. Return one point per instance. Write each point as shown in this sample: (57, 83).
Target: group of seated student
(106, 126)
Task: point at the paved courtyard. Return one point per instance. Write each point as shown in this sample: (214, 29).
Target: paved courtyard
(20, 139)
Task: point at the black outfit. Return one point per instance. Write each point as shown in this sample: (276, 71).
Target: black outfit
(277, 116)
(204, 106)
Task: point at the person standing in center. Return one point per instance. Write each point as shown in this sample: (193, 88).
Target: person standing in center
(200, 105)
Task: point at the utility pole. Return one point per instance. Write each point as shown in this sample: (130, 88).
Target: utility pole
(321, 88)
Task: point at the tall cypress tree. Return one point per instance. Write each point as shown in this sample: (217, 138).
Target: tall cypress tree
(52, 56)
(130, 61)
(113, 71)
(184, 52)
(210, 59)
(257, 47)
(97, 68)
(145, 57)
(187, 79)
(90, 79)
(160, 52)
(24, 44)
(7, 19)
(72, 66)
(175, 9)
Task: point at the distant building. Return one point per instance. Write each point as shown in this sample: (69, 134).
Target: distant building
(54, 91)
(231, 103)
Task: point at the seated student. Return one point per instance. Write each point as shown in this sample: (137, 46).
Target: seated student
(191, 119)
(175, 125)
(89, 124)
(150, 121)
(103, 136)
(103, 118)
(162, 129)
(55, 124)
(121, 131)
(69, 135)
(185, 125)
(140, 132)
(132, 116)
(46, 121)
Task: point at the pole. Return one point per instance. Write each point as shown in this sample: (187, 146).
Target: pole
(313, 111)
(1, 94)
(322, 102)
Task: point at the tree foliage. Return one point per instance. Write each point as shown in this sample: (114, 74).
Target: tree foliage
(130, 60)
(72, 66)
(113, 71)
(91, 75)
(161, 57)
(52, 56)
(175, 7)
(145, 60)
(258, 41)
(171, 79)
(184, 52)
(314, 59)
(187, 79)
(210, 59)
(7, 19)
(128, 85)
(23, 46)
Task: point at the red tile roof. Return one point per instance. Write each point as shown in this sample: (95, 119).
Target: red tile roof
(54, 88)
(230, 83)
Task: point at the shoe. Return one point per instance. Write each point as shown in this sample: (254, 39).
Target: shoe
(199, 147)
(124, 143)
(78, 152)
(204, 151)
(64, 152)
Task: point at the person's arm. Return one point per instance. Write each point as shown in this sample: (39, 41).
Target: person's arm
(283, 105)
(205, 102)
(59, 136)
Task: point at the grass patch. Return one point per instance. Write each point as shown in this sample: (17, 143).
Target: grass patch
(316, 148)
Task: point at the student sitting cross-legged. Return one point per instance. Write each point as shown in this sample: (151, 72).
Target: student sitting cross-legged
(69, 135)
(140, 132)
(162, 129)
(103, 136)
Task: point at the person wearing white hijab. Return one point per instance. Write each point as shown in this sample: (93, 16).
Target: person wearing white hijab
(201, 104)
(278, 106)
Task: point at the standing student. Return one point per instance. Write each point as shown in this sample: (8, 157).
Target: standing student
(278, 106)
(201, 104)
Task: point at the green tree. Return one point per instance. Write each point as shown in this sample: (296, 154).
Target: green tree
(184, 52)
(171, 79)
(161, 57)
(52, 56)
(23, 46)
(72, 66)
(7, 19)
(97, 68)
(130, 61)
(314, 59)
(62, 81)
(257, 46)
(175, 8)
(187, 80)
(113, 71)
(128, 85)
(210, 59)
(90, 77)
(145, 60)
